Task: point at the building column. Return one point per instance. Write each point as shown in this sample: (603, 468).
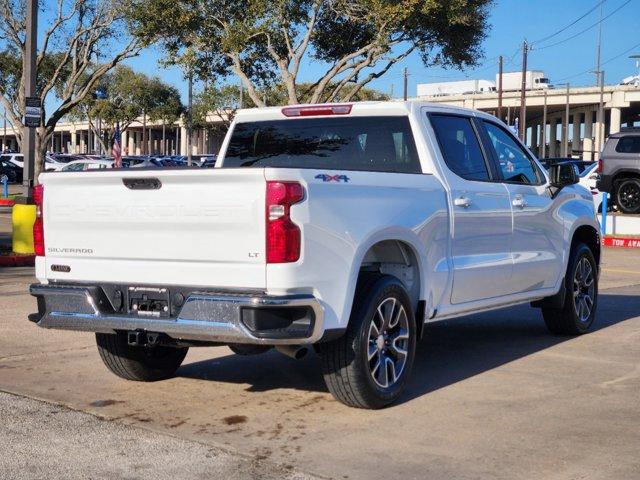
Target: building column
(616, 114)
(577, 123)
(599, 135)
(587, 143)
(553, 135)
(534, 138)
(183, 140)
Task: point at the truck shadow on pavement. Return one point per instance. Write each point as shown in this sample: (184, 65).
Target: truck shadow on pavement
(450, 351)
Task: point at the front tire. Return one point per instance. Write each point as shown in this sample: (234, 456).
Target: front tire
(581, 295)
(369, 366)
(140, 364)
(628, 196)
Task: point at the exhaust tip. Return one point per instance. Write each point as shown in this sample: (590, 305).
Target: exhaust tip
(293, 351)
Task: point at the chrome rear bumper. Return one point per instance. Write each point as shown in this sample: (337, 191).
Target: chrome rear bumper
(203, 316)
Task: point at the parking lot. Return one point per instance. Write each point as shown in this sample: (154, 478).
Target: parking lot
(492, 396)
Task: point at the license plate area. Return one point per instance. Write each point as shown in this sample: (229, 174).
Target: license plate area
(149, 302)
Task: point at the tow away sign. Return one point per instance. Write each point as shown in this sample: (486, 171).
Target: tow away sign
(32, 112)
(621, 242)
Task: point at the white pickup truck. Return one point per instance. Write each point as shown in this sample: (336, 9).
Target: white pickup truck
(343, 227)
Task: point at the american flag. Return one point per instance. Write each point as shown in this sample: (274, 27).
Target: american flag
(116, 150)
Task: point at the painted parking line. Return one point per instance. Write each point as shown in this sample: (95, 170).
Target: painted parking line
(616, 270)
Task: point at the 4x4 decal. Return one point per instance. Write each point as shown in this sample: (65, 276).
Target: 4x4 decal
(332, 178)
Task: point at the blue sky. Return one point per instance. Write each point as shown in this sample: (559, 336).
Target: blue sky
(511, 22)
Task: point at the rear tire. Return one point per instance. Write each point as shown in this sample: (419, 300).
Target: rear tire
(140, 364)
(369, 366)
(581, 295)
(628, 196)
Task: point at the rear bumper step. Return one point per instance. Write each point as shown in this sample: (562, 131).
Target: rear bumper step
(223, 318)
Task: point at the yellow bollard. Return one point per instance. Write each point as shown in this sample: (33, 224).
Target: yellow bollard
(23, 217)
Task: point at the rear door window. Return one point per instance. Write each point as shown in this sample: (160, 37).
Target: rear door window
(628, 145)
(460, 146)
(376, 144)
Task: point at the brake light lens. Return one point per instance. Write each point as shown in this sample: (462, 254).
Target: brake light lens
(599, 169)
(38, 226)
(282, 235)
(313, 110)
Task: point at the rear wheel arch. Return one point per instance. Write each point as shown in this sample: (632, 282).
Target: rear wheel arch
(400, 259)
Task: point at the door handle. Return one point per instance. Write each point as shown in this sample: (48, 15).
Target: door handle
(462, 202)
(519, 202)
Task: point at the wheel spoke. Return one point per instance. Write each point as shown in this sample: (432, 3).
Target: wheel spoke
(383, 372)
(391, 368)
(373, 351)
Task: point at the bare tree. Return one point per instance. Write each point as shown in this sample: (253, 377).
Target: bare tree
(83, 41)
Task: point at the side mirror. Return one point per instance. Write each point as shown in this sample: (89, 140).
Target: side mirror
(562, 175)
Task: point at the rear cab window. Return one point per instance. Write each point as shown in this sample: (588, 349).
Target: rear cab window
(373, 143)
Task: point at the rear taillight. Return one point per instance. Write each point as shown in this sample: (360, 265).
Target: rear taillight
(599, 169)
(283, 236)
(38, 226)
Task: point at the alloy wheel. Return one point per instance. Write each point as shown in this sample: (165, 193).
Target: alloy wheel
(583, 289)
(388, 342)
(629, 196)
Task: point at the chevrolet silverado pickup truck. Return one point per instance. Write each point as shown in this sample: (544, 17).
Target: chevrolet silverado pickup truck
(346, 228)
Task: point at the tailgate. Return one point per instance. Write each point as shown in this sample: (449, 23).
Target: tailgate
(200, 227)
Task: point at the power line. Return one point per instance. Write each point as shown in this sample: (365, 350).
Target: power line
(603, 63)
(570, 25)
(585, 30)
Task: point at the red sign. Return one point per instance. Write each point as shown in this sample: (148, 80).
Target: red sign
(621, 242)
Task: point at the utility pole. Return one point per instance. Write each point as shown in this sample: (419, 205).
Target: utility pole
(565, 127)
(500, 63)
(241, 95)
(4, 134)
(406, 84)
(190, 119)
(543, 133)
(599, 45)
(523, 93)
(29, 69)
(601, 117)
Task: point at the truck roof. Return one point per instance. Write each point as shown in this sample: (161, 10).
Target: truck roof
(359, 109)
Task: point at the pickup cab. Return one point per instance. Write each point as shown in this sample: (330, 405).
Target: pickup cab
(342, 227)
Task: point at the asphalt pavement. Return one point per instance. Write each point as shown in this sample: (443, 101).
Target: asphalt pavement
(492, 396)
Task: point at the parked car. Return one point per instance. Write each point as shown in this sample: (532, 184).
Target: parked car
(620, 169)
(11, 170)
(15, 158)
(209, 162)
(89, 164)
(589, 179)
(381, 217)
(581, 165)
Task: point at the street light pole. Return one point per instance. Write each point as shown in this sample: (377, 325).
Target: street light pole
(29, 81)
